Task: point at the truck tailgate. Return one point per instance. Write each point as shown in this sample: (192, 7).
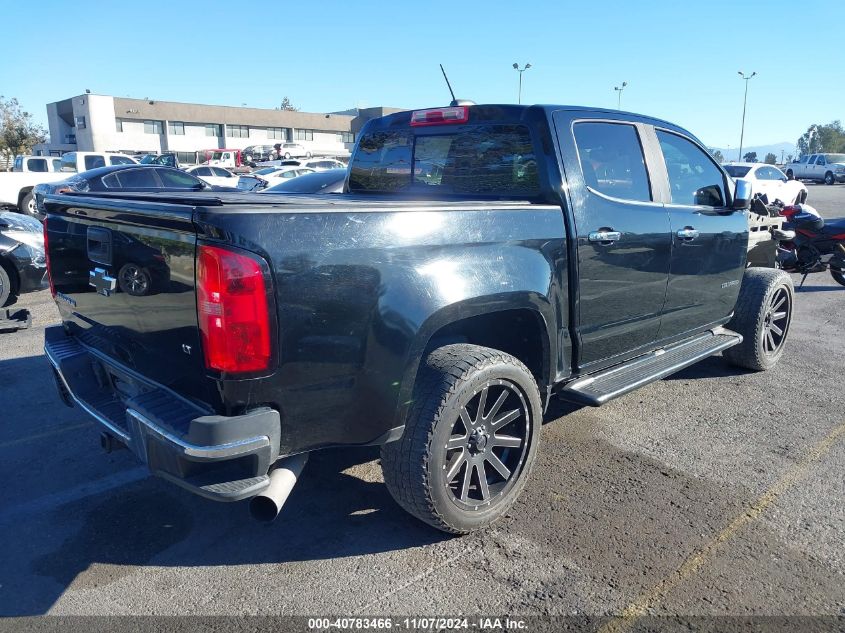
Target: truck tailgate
(124, 280)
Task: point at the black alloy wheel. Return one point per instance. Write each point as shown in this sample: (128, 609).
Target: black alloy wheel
(488, 444)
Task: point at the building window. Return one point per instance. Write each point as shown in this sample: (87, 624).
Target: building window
(80, 123)
(237, 131)
(277, 132)
(304, 135)
(176, 128)
(118, 124)
(187, 158)
(346, 137)
(152, 127)
(213, 129)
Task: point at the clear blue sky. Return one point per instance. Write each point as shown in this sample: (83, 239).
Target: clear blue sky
(680, 59)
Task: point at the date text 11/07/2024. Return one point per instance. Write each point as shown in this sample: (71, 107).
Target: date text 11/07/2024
(418, 623)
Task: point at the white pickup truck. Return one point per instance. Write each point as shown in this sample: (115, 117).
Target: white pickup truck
(826, 168)
(16, 186)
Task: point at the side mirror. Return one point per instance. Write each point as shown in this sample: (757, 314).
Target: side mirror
(742, 194)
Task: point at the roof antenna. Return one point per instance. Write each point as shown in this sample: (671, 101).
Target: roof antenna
(455, 101)
(452, 92)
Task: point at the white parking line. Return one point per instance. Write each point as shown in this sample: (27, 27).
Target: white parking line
(87, 489)
(39, 436)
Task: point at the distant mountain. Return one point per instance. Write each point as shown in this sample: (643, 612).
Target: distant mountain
(762, 150)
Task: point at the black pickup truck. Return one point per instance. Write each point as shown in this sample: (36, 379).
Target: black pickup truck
(481, 260)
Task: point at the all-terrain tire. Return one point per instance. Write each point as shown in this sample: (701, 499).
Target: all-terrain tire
(765, 301)
(450, 379)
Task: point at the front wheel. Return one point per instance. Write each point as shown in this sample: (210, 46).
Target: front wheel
(829, 179)
(763, 316)
(287, 155)
(790, 175)
(307, 154)
(470, 439)
(837, 274)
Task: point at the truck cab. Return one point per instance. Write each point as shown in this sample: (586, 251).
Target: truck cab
(38, 164)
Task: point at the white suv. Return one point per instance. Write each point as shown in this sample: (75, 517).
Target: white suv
(293, 150)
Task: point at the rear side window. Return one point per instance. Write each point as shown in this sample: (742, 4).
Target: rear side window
(694, 178)
(92, 162)
(121, 160)
(483, 160)
(612, 161)
(36, 164)
(141, 178)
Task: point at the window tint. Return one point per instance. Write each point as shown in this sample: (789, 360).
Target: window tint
(121, 160)
(737, 171)
(612, 160)
(18, 163)
(768, 173)
(820, 160)
(57, 164)
(491, 160)
(178, 179)
(141, 178)
(36, 164)
(694, 178)
(92, 162)
(220, 173)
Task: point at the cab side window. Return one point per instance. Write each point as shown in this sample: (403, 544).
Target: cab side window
(820, 160)
(92, 162)
(612, 161)
(694, 179)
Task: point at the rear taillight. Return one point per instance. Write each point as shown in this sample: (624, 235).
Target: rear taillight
(234, 315)
(440, 116)
(47, 258)
(790, 210)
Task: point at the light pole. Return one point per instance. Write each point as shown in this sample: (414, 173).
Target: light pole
(619, 94)
(744, 101)
(520, 71)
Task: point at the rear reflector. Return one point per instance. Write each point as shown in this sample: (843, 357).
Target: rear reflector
(440, 116)
(232, 305)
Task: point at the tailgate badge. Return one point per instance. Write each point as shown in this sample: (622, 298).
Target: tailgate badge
(102, 282)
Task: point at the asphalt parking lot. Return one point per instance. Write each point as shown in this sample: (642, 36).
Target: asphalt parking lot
(714, 492)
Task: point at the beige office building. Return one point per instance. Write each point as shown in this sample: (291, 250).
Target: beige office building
(91, 122)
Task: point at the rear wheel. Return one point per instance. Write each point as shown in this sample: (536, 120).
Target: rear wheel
(470, 439)
(763, 316)
(5, 287)
(287, 155)
(27, 205)
(837, 273)
(790, 175)
(307, 154)
(829, 179)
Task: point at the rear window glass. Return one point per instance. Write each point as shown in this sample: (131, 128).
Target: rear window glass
(36, 164)
(494, 160)
(737, 171)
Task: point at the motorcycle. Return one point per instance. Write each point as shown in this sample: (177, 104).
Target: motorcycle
(808, 243)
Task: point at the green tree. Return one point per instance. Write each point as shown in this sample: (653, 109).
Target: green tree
(750, 157)
(18, 133)
(717, 155)
(822, 138)
(287, 105)
(770, 159)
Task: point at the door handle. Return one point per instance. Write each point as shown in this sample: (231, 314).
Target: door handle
(687, 234)
(605, 236)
